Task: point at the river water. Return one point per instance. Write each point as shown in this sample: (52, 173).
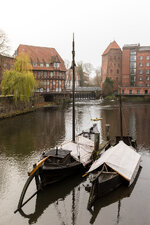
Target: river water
(24, 138)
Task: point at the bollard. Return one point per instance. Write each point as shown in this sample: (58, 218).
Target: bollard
(107, 130)
(96, 142)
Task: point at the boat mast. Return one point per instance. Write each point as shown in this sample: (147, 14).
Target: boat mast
(121, 129)
(73, 90)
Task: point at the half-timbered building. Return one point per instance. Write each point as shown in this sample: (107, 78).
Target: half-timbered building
(48, 67)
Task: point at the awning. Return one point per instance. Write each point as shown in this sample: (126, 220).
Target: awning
(121, 158)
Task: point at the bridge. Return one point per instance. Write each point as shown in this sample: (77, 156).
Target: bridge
(80, 93)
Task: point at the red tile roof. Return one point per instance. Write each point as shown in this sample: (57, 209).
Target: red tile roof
(112, 45)
(41, 55)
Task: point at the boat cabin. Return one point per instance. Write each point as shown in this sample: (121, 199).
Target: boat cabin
(57, 156)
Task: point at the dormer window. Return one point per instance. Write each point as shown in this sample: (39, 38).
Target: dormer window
(34, 64)
(56, 64)
(41, 65)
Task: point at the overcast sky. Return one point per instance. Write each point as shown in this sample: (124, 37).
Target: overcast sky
(50, 23)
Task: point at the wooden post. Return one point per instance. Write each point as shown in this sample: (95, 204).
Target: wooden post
(107, 129)
(96, 142)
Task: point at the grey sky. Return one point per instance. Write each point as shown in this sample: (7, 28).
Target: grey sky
(96, 23)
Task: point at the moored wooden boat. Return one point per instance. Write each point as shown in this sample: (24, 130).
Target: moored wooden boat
(65, 160)
(118, 165)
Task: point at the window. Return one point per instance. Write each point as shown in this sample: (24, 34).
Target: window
(38, 73)
(34, 64)
(130, 92)
(147, 57)
(147, 78)
(117, 71)
(54, 82)
(47, 65)
(140, 78)
(147, 71)
(123, 92)
(140, 71)
(132, 57)
(140, 57)
(47, 89)
(132, 52)
(140, 64)
(8, 66)
(146, 91)
(41, 64)
(138, 91)
(147, 64)
(47, 82)
(147, 85)
(45, 74)
(5, 65)
(56, 65)
(133, 71)
(111, 71)
(132, 64)
(51, 74)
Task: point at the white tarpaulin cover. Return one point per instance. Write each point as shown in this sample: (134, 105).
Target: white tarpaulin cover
(81, 150)
(121, 158)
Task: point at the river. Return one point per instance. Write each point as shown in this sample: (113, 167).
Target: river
(25, 137)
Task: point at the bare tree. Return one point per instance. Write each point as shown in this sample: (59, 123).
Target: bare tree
(95, 81)
(88, 67)
(3, 43)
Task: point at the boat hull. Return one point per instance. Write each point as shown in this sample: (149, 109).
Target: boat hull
(49, 175)
(110, 183)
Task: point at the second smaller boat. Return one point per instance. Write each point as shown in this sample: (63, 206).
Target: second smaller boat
(117, 165)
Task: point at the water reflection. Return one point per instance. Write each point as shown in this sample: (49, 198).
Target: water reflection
(55, 194)
(32, 132)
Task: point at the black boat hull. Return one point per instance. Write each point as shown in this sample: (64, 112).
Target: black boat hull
(103, 188)
(49, 175)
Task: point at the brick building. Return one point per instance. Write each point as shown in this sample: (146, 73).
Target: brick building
(111, 64)
(6, 63)
(129, 68)
(48, 67)
(135, 70)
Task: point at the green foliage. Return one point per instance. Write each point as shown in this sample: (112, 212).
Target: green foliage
(19, 81)
(107, 88)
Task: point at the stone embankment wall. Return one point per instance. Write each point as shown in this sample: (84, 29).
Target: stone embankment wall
(8, 106)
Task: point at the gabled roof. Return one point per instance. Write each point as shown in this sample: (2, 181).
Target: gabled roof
(112, 45)
(41, 54)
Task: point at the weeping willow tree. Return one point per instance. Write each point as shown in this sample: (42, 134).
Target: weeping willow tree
(20, 80)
